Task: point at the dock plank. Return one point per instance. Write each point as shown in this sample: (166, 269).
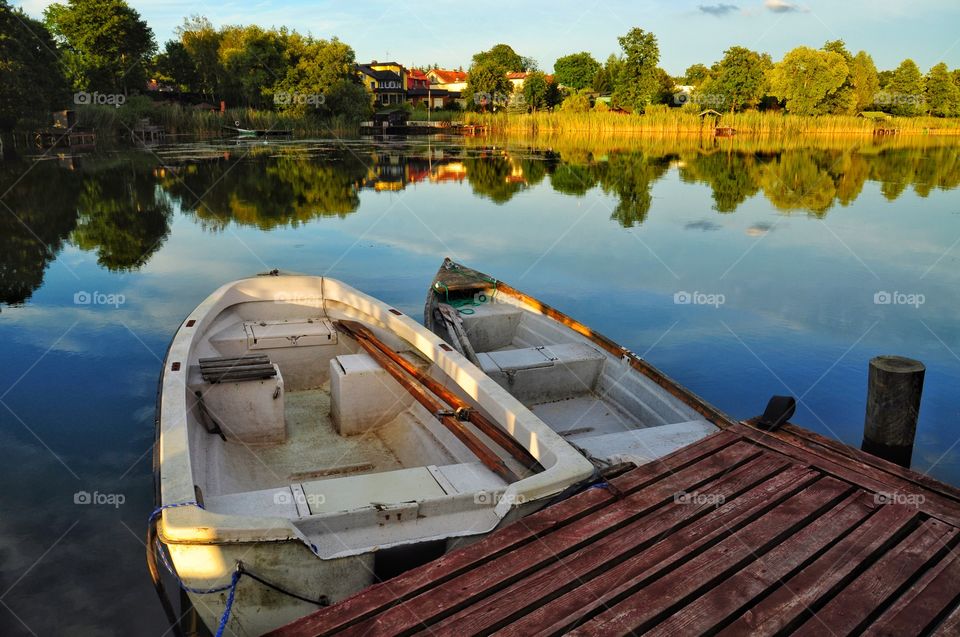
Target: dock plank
(742, 533)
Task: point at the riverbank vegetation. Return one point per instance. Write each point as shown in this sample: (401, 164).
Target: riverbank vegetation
(101, 58)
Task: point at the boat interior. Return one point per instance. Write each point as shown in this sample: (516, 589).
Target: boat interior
(291, 418)
(596, 401)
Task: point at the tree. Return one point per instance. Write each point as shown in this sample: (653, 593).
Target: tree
(576, 103)
(202, 43)
(254, 60)
(635, 82)
(696, 75)
(941, 94)
(865, 80)
(506, 58)
(805, 77)
(176, 66)
(738, 79)
(32, 83)
(576, 71)
(842, 101)
(487, 86)
(535, 91)
(106, 45)
(904, 93)
(320, 78)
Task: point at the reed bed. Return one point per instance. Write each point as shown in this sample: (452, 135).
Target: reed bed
(668, 121)
(178, 120)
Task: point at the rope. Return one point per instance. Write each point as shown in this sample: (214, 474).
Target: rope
(234, 580)
(464, 305)
(238, 572)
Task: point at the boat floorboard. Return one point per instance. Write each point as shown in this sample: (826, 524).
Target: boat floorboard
(743, 532)
(313, 450)
(583, 415)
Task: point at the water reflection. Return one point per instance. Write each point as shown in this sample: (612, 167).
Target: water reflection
(121, 205)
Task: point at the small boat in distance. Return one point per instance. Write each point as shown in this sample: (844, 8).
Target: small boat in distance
(599, 396)
(313, 440)
(258, 132)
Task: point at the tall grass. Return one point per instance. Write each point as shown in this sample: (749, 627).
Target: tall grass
(179, 120)
(670, 121)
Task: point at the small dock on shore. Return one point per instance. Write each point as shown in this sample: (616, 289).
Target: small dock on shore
(745, 532)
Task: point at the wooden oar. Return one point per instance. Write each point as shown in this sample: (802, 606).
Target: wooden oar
(495, 433)
(489, 459)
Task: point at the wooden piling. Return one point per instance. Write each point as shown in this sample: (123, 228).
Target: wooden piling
(894, 388)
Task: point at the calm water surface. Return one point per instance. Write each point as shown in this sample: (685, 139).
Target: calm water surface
(799, 265)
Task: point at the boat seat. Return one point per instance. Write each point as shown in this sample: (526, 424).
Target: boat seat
(491, 326)
(243, 399)
(348, 493)
(640, 446)
(545, 373)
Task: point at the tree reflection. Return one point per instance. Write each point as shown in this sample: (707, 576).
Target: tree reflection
(269, 193)
(123, 215)
(630, 176)
(37, 214)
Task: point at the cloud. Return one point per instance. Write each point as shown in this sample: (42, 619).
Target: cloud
(781, 6)
(718, 10)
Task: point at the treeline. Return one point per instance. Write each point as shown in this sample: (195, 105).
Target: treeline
(105, 51)
(826, 81)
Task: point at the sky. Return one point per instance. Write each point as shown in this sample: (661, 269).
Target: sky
(449, 32)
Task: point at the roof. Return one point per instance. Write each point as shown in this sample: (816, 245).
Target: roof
(742, 532)
(525, 75)
(416, 74)
(448, 77)
(378, 75)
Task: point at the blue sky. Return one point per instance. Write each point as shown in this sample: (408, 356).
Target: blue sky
(448, 32)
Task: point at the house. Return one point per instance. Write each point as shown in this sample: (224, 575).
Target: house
(420, 90)
(387, 81)
(453, 81)
(518, 78)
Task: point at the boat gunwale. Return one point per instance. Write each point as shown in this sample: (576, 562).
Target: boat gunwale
(190, 525)
(712, 414)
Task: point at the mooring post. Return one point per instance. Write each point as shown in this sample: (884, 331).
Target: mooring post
(894, 387)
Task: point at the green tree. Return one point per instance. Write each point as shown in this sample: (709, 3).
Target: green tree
(503, 56)
(738, 79)
(176, 66)
(535, 89)
(805, 77)
(842, 101)
(320, 79)
(253, 60)
(903, 95)
(105, 44)
(32, 83)
(635, 82)
(941, 94)
(865, 80)
(576, 71)
(487, 86)
(577, 102)
(696, 75)
(202, 42)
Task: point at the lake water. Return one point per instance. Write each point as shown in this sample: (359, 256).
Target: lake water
(741, 268)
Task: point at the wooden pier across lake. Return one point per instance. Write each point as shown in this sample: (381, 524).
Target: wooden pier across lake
(744, 532)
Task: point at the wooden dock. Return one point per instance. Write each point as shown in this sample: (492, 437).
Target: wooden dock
(744, 532)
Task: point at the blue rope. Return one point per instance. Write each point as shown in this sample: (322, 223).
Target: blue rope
(230, 597)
